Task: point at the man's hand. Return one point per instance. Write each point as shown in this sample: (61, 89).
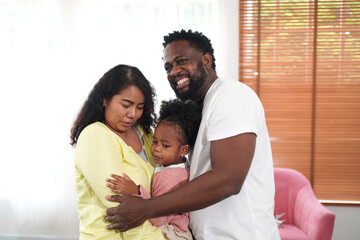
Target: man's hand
(129, 214)
(230, 161)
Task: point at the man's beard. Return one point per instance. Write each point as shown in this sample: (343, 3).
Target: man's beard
(196, 82)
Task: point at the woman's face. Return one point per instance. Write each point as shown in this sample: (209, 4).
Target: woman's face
(124, 109)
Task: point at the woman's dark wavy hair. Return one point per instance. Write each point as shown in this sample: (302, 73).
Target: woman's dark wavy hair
(112, 83)
(186, 114)
(196, 39)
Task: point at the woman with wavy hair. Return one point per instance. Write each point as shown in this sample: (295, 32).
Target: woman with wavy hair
(112, 133)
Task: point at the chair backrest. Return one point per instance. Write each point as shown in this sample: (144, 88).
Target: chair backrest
(288, 183)
(295, 197)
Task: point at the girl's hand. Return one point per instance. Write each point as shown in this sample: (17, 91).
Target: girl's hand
(122, 185)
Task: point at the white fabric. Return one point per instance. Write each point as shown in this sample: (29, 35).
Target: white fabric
(160, 168)
(231, 108)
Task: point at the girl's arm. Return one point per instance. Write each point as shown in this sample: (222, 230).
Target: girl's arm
(122, 185)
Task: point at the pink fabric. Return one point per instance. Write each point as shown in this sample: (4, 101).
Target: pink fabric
(291, 232)
(166, 181)
(303, 212)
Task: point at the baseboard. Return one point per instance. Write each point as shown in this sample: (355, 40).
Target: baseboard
(33, 238)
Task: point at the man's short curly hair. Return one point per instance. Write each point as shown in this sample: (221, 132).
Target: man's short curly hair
(196, 39)
(186, 115)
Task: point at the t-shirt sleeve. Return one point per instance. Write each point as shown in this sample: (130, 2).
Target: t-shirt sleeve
(236, 109)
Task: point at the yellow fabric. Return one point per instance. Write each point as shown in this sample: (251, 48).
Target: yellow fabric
(100, 152)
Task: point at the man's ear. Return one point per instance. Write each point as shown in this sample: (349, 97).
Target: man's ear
(104, 102)
(185, 149)
(206, 60)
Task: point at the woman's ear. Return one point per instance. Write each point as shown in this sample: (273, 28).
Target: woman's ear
(185, 149)
(104, 102)
(207, 60)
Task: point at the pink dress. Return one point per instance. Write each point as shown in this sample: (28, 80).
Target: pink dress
(167, 179)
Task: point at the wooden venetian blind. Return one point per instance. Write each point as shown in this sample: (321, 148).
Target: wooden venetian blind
(303, 60)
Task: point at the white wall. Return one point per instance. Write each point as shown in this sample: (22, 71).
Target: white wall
(52, 52)
(347, 222)
(229, 21)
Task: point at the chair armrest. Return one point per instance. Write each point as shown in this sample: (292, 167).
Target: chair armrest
(312, 217)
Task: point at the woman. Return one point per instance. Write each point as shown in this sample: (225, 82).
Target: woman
(112, 134)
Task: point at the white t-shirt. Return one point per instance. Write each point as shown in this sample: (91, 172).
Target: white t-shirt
(232, 108)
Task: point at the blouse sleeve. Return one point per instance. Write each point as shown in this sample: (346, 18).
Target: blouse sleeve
(99, 153)
(97, 156)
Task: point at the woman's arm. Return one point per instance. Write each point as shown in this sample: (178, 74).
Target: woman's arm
(97, 156)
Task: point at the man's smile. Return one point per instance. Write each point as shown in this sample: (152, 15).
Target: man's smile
(183, 82)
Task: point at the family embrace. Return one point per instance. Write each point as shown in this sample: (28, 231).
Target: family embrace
(205, 172)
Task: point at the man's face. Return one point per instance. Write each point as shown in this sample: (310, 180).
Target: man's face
(185, 70)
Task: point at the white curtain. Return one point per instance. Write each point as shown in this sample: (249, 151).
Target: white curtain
(52, 52)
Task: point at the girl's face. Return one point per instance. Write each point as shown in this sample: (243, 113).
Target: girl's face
(167, 148)
(124, 109)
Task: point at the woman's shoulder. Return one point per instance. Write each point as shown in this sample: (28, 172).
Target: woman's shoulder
(96, 130)
(94, 127)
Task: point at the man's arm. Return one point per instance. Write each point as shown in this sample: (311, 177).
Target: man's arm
(230, 160)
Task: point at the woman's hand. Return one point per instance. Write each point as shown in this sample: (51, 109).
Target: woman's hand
(122, 185)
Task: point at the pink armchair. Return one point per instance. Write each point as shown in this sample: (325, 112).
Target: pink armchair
(304, 217)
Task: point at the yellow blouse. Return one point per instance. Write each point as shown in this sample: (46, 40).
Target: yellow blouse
(100, 152)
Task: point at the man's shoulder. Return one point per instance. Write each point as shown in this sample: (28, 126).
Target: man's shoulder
(230, 89)
(225, 83)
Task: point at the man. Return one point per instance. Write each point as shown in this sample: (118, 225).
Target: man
(231, 192)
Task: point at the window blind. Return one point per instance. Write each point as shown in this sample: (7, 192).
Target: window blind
(303, 60)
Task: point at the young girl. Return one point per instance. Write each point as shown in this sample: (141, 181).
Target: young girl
(174, 135)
